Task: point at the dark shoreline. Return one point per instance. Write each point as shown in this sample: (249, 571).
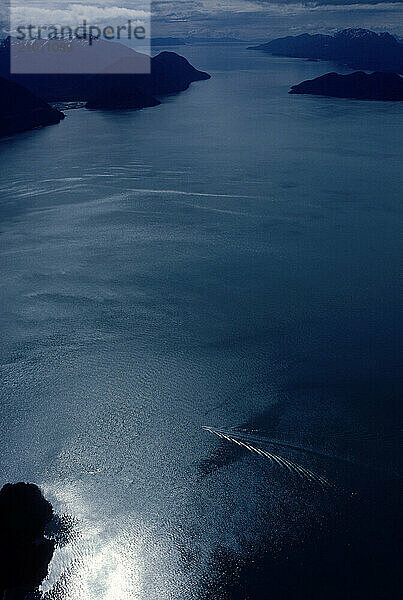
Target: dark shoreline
(25, 551)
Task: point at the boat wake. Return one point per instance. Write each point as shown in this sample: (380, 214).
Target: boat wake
(252, 443)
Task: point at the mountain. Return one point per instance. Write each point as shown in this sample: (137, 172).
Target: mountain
(168, 41)
(214, 40)
(356, 48)
(173, 41)
(359, 85)
(119, 76)
(170, 73)
(76, 56)
(21, 110)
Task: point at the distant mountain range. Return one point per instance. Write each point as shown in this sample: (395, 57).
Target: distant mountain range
(117, 79)
(175, 41)
(168, 41)
(20, 110)
(355, 48)
(359, 85)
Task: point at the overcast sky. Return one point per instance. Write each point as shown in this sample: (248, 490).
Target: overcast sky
(248, 19)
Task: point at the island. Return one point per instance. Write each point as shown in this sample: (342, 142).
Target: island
(21, 110)
(170, 73)
(358, 85)
(355, 48)
(105, 95)
(120, 77)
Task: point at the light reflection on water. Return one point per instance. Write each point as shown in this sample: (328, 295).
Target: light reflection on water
(159, 276)
(101, 560)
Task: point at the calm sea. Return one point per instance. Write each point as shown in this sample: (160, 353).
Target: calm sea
(227, 259)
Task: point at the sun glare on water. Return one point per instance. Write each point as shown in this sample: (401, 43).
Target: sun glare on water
(97, 563)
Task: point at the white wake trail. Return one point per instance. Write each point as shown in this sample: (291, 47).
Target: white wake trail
(281, 461)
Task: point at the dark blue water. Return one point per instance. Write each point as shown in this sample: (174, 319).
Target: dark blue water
(229, 258)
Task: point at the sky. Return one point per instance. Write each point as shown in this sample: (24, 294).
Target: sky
(243, 19)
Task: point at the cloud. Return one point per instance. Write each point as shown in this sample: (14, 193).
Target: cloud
(74, 14)
(248, 19)
(308, 4)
